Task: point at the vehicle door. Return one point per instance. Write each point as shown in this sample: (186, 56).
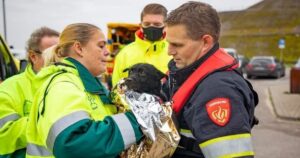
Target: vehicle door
(279, 66)
(7, 64)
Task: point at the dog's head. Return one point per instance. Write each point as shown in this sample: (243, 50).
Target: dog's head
(144, 78)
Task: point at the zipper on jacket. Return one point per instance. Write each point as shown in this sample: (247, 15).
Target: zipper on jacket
(172, 83)
(43, 101)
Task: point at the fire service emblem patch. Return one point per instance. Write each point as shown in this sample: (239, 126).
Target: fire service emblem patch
(218, 110)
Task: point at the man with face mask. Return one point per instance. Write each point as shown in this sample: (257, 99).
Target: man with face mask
(149, 46)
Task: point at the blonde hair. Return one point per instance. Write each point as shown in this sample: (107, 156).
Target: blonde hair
(50, 57)
(77, 32)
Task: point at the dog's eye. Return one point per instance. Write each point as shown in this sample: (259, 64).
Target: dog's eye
(132, 70)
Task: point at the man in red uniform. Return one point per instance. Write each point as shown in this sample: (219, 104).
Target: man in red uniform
(214, 105)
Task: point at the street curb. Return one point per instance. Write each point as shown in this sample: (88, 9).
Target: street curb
(275, 110)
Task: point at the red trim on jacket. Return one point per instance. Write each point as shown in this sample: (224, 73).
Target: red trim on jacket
(140, 34)
(218, 60)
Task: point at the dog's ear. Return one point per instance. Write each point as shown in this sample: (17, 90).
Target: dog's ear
(127, 69)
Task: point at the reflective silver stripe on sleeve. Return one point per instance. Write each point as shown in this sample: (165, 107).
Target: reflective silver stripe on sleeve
(228, 147)
(11, 117)
(62, 124)
(126, 129)
(37, 150)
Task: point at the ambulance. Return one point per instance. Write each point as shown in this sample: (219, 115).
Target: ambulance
(8, 64)
(118, 36)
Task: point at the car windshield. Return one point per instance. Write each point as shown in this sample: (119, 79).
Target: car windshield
(261, 61)
(232, 54)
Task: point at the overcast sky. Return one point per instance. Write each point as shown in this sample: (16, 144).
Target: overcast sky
(24, 16)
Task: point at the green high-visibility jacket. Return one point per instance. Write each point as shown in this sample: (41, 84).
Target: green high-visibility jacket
(72, 116)
(141, 51)
(15, 101)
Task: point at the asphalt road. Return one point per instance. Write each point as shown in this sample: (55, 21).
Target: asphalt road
(273, 137)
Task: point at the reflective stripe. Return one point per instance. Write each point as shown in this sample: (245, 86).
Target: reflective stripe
(242, 154)
(126, 129)
(11, 117)
(187, 133)
(223, 147)
(37, 150)
(62, 124)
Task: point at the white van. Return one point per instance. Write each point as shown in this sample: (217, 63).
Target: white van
(233, 53)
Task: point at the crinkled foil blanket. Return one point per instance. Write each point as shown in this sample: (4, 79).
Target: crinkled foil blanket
(161, 136)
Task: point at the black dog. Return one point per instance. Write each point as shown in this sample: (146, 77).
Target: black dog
(144, 78)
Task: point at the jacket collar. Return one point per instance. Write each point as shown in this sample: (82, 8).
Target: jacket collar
(91, 83)
(29, 72)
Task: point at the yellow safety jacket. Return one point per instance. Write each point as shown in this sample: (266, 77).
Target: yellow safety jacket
(72, 116)
(15, 102)
(141, 51)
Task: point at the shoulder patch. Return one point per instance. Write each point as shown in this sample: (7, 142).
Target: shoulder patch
(218, 110)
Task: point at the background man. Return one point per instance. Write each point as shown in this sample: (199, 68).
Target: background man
(16, 95)
(149, 46)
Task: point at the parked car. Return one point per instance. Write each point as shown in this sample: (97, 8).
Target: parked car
(243, 61)
(265, 66)
(8, 64)
(233, 53)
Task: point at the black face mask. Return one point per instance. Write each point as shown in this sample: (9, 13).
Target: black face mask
(153, 33)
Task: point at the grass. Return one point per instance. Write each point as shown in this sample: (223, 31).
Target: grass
(256, 31)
